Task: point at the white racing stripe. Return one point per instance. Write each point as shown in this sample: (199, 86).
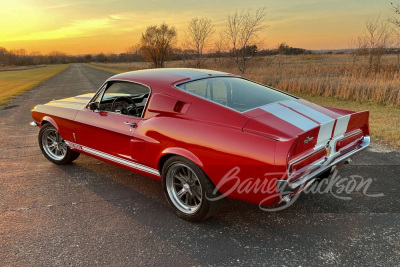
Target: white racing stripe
(290, 116)
(309, 112)
(341, 125)
(114, 158)
(325, 132)
(305, 118)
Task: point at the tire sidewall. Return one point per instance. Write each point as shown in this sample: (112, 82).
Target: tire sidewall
(204, 208)
(69, 156)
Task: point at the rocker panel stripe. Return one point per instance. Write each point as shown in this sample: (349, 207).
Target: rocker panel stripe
(113, 158)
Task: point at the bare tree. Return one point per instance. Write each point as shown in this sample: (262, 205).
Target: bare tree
(199, 33)
(156, 44)
(241, 30)
(4, 57)
(375, 41)
(396, 22)
(57, 57)
(219, 48)
(396, 9)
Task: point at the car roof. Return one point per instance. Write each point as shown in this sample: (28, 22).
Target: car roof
(166, 76)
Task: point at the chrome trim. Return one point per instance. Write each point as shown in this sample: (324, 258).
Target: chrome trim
(34, 124)
(119, 160)
(103, 88)
(334, 140)
(132, 124)
(316, 149)
(347, 136)
(333, 162)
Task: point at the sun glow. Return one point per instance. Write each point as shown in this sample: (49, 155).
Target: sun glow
(78, 27)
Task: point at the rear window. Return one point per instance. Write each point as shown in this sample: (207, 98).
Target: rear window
(235, 93)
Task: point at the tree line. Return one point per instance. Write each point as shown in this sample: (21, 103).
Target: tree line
(237, 40)
(24, 58)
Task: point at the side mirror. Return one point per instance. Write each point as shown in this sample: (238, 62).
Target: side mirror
(94, 106)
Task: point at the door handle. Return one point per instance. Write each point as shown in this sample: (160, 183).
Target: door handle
(132, 124)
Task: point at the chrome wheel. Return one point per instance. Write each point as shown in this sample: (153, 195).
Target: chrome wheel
(53, 144)
(184, 188)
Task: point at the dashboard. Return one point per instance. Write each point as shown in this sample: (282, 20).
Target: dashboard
(118, 105)
(140, 103)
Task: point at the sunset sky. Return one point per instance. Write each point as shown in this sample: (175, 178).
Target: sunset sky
(79, 26)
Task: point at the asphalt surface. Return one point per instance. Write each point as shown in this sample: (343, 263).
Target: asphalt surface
(92, 213)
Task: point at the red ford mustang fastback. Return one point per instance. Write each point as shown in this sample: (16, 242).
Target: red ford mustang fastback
(205, 135)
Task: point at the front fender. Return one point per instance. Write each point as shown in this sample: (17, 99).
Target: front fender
(50, 120)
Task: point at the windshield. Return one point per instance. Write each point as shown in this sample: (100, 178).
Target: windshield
(127, 89)
(236, 93)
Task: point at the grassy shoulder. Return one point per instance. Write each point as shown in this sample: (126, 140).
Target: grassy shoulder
(14, 83)
(107, 69)
(384, 120)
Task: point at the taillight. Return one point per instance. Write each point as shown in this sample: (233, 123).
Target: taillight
(303, 165)
(349, 139)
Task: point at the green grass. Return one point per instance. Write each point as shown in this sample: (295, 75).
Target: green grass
(14, 83)
(384, 119)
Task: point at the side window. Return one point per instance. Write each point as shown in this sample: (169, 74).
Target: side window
(220, 92)
(234, 92)
(196, 87)
(125, 98)
(212, 89)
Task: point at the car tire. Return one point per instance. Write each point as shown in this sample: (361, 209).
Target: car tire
(53, 146)
(188, 190)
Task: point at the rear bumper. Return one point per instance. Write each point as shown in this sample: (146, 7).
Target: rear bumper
(285, 187)
(34, 124)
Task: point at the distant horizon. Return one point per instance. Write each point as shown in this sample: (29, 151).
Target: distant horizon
(94, 54)
(79, 27)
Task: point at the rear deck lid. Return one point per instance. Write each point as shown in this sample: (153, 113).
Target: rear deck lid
(311, 124)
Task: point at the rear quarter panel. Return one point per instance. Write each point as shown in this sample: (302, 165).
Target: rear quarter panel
(212, 137)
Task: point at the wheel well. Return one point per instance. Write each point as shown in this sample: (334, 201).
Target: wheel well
(44, 122)
(164, 159)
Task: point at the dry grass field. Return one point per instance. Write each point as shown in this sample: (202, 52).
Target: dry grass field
(14, 83)
(340, 76)
(341, 81)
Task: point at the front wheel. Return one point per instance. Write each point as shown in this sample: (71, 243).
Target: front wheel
(53, 146)
(188, 189)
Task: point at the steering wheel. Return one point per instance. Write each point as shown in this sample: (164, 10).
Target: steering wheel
(123, 110)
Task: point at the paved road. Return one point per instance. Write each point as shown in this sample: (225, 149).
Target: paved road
(93, 213)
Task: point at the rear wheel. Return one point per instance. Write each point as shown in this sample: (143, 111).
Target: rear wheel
(53, 146)
(188, 189)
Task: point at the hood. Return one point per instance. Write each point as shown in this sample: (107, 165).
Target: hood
(77, 102)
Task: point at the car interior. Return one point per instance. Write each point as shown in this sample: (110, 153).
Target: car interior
(124, 98)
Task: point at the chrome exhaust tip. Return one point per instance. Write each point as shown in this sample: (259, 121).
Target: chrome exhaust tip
(286, 199)
(348, 161)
